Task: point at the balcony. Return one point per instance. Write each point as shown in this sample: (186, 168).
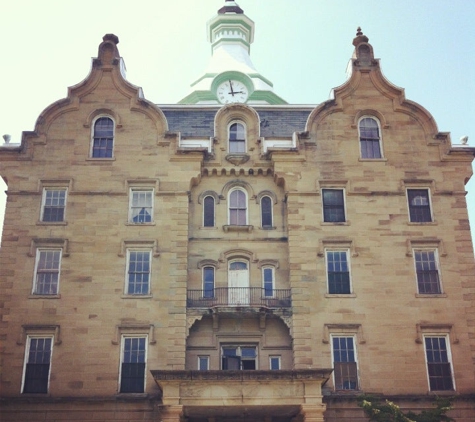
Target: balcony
(239, 297)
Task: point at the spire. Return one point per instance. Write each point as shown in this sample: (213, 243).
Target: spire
(230, 7)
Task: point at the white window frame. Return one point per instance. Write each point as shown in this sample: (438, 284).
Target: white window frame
(214, 210)
(122, 350)
(43, 203)
(200, 359)
(238, 188)
(127, 267)
(449, 357)
(229, 136)
(25, 360)
(437, 263)
(39, 251)
(133, 190)
(348, 262)
(271, 211)
(380, 137)
(279, 361)
(342, 335)
(93, 125)
(344, 205)
(268, 267)
(203, 280)
(429, 197)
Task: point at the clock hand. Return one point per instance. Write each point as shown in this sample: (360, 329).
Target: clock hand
(231, 85)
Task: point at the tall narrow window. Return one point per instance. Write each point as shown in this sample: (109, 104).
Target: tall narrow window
(344, 363)
(208, 282)
(132, 373)
(54, 204)
(333, 205)
(369, 138)
(46, 280)
(419, 205)
(428, 281)
(237, 138)
(268, 281)
(203, 363)
(141, 206)
(338, 272)
(266, 212)
(239, 357)
(138, 273)
(208, 212)
(103, 138)
(37, 365)
(237, 208)
(439, 366)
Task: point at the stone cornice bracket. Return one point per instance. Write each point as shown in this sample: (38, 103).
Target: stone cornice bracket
(343, 329)
(54, 330)
(431, 328)
(134, 328)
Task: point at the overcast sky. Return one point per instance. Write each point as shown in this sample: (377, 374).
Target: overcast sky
(302, 46)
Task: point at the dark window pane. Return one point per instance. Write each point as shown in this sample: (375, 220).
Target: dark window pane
(237, 138)
(36, 378)
(208, 282)
(132, 378)
(208, 211)
(338, 273)
(266, 211)
(419, 206)
(237, 208)
(333, 206)
(103, 138)
(369, 138)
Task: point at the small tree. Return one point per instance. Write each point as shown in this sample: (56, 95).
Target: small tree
(387, 411)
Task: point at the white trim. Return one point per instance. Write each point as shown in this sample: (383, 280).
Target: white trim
(35, 273)
(449, 357)
(348, 261)
(429, 196)
(241, 122)
(93, 125)
(238, 188)
(279, 359)
(368, 116)
(268, 267)
(25, 359)
(342, 335)
(203, 211)
(203, 278)
(344, 205)
(206, 359)
(43, 203)
(271, 210)
(132, 190)
(437, 263)
(121, 360)
(126, 286)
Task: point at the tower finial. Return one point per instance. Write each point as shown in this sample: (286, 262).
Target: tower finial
(230, 6)
(358, 31)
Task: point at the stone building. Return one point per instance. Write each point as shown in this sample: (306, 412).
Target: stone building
(234, 257)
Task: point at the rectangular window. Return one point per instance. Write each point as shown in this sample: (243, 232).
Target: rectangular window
(419, 205)
(37, 365)
(203, 363)
(239, 357)
(439, 367)
(46, 279)
(344, 363)
(268, 276)
(208, 282)
(338, 272)
(138, 273)
(54, 205)
(428, 280)
(333, 205)
(141, 206)
(274, 362)
(132, 373)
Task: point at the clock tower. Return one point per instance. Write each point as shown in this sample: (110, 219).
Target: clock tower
(231, 76)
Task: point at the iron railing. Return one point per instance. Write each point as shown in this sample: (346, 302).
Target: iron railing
(239, 296)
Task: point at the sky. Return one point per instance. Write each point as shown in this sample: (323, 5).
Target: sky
(302, 46)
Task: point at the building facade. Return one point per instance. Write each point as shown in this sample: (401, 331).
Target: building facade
(232, 256)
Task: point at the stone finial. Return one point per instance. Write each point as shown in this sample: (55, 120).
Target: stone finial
(111, 37)
(360, 37)
(108, 53)
(230, 6)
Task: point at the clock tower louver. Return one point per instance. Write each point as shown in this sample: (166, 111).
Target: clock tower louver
(231, 76)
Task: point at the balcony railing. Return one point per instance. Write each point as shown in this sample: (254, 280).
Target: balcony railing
(239, 296)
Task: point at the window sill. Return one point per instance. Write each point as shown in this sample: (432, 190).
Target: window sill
(136, 296)
(380, 160)
(132, 395)
(100, 159)
(140, 224)
(34, 296)
(342, 295)
(441, 392)
(232, 228)
(208, 228)
(51, 223)
(431, 295)
(268, 228)
(425, 223)
(336, 223)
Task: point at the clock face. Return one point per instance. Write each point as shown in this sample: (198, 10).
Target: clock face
(232, 91)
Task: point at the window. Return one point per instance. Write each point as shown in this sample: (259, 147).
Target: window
(239, 357)
(439, 367)
(338, 272)
(333, 206)
(419, 205)
(274, 362)
(203, 363)
(132, 370)
(369, 138)
(268, 281)
(138, 272)
(54, 204)
(46, 279)
(427, 271)
(208, 282)
(208, 212)
(37, 365)
(266, 211)
(237, 208)
(141, 206)
(345, 370)
(237, 138)
(103, 138)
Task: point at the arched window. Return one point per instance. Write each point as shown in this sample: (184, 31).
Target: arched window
(208, 282)
(237, 138)
(266, 211)
(237, 208)
(208, 212)
(370, 139)
(238, 283)
(103, 138)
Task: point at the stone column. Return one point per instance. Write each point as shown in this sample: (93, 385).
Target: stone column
(312, 412)
(172, 414)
